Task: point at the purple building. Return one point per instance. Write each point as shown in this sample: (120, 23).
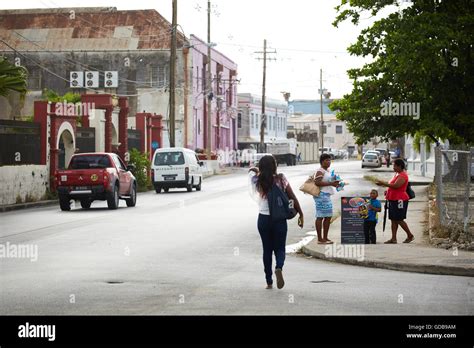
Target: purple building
(224, 101)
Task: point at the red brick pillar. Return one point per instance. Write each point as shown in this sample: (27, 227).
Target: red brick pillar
(156, 131)
(41, 117)
(85, 120)
(140, 125)
(54, 151)
(108, 128)
(123, 126)
(149, 140)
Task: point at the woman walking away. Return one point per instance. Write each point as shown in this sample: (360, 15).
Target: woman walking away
(273, 233)
(323, 202)
(397, 201)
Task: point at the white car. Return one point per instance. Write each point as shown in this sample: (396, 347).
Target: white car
(371, 159)
(176, 167)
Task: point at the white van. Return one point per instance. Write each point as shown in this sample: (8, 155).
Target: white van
(176, 167)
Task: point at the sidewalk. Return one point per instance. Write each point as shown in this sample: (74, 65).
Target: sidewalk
(11, 207)
(417, 256)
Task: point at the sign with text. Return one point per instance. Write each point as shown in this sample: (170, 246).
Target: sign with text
(352, 222)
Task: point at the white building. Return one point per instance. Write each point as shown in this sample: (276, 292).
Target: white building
(336, 134)
(249, 118)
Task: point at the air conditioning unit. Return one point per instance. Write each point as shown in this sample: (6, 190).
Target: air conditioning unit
(76, 79)
(92, 79)
(111, 79)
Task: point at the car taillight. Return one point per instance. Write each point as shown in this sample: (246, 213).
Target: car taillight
(106, 179)
(152, 175)
(186, 170)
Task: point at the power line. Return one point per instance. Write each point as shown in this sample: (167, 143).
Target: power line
(64, 79)
(72, 61)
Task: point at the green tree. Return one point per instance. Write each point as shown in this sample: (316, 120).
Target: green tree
(12, 78)
(419, 54)
(142, 166)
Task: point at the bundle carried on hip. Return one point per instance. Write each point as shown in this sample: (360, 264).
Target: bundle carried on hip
(310, 187)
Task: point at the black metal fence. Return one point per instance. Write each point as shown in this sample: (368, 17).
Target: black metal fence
(85, 139)
(134, 139)
(19, 143)
(455, 190)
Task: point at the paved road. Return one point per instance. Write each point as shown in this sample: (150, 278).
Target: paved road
(197, 253)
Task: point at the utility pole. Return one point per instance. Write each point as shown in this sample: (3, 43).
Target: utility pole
(173, 76)
(264, 117)
(209, 83)
(321, 126)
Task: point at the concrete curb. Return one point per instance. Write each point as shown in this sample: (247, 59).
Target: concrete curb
(11, 207)
(395, 266)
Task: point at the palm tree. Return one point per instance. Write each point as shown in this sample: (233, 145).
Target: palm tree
(12, 78)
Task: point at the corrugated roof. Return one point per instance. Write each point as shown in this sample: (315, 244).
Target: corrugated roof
(97, 28)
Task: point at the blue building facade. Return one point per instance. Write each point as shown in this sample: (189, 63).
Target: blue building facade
(309, 106)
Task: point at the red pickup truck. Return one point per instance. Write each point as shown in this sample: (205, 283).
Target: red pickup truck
(96, 176)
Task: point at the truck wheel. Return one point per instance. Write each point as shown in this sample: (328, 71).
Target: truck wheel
(86, 203)
(132, 201)
(167, 189)
(158, 189)
(113, 198)
(64, 203)
(189, 187)
(198, 187)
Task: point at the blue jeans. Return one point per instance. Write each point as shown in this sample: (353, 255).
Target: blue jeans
(273, 236)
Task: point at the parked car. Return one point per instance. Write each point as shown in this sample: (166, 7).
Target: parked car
(96, 176)
(382, 153)
(379, 155)
(371, 159)
(330, 151)
(176, 167)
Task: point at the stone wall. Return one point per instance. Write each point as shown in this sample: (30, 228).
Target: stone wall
(26, 182)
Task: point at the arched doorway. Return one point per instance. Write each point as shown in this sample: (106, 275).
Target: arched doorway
(66, 148)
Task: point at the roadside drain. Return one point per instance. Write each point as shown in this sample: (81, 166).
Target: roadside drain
(325, 281)
(114, 282)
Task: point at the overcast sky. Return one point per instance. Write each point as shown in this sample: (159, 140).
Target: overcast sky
(300, 31)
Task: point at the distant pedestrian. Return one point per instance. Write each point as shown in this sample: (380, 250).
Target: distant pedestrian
(323, 204)
(398, 201)
(370, 222)
(299, 157)
(272, 233)
(387, 158)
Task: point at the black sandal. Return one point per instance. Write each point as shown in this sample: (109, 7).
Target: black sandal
(390, 241)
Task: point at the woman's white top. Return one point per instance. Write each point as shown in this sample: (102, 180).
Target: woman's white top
(326, 178)
(257, 197)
